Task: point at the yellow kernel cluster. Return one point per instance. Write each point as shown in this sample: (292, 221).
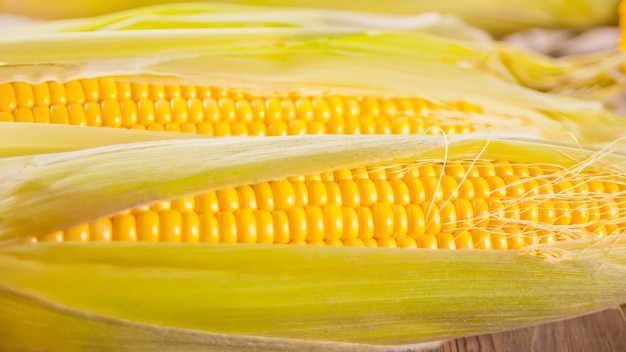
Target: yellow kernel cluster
(220, 112)
(484, 205)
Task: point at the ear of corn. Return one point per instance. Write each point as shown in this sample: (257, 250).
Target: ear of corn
(257, 61)
(47, 183)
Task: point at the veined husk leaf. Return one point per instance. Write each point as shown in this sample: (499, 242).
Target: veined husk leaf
(221, 15)
(497, 16)
(27, 320)
(312, 60)
(59, 189)
(356, 295)
(24, 138)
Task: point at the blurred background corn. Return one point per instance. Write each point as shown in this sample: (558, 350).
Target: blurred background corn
(497, 16)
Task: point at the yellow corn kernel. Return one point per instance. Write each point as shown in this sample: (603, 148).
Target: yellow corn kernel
(433, 218)
(297, 224)
(78, 233)
(445, 240)
(499, 239)
(124, 227)
(24, 95)
(333, 222)
(400, 221)
(427, 241)
(148, 226)
(406, 242)
(315, 225)
(265, 226)
(58, 95)
(481, 187)
(515, 237)
(481, 238)
(284, 194)
(41, 95)
(101, 230)
(56, 236)
(190, 227)
(417, 221)
(59, 115)
(227, 227)
(208, 227)
(448, 216)
(463, 239)
(246, 226)
(481, 212)
(350, 223)
(386, 242)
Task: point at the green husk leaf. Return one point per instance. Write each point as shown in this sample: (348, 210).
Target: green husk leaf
(497, 16)
(220, 15)
(26, 322)
(17, 138)
(58, 190)
(357, 295)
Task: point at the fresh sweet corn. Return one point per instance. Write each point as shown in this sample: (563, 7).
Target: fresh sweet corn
(224, 112)
(484, 205)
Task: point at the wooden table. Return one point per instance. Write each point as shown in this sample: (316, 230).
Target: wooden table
(600, 332)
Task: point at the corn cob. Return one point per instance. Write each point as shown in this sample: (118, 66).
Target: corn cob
(223, 112)
(488, 205)
(208, 110)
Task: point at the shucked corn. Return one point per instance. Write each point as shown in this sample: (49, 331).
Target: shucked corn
(484, 205)
(223, 112)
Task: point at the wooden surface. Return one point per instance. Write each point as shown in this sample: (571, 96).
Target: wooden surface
(600, 332)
